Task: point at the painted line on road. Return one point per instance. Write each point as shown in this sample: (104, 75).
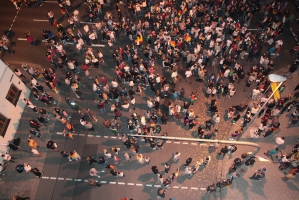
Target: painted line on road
(13, 21)
(116, 183)
(98, 45)
(40, 20)
(149, 185)
(115, 137)
(87, 23)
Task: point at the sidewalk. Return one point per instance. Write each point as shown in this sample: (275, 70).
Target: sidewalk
(271, 187)
(13, 183)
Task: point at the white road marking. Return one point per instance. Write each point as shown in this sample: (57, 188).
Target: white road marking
(149, 185)
(22, 39)
(168, 141)
(40, 20)
(185, 143)
(90, 135)
(98, 136)
(114, 183)
(203, 144)
(87, 23)
(98, 45)
(105, 136)
(81, 134)
(177, 142)
(59, 133)
(193, 143)
(113, 137)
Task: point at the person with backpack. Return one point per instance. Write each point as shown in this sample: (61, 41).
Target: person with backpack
(188, 161)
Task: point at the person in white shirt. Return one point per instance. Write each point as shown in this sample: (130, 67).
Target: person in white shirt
(19, 73)
(255, 93)
(35, 152)
(254, 109)
(279, 141)
(94, 172)
(228, 43)
(33, 81)
(176, 156)
(120, 173)
(7, 157)
(188, 74)
(188, 171)
(114, 83)
(150, 103)
(86, 28)
(27, 167)
(95, 88)
(107, 154)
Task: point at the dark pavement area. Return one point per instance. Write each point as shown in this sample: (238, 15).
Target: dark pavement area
(68, 180)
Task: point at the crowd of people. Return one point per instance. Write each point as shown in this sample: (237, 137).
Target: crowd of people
(193, 40)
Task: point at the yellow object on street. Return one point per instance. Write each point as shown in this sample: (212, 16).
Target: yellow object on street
(277, 93)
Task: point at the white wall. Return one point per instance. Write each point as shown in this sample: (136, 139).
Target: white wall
(7, 77)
